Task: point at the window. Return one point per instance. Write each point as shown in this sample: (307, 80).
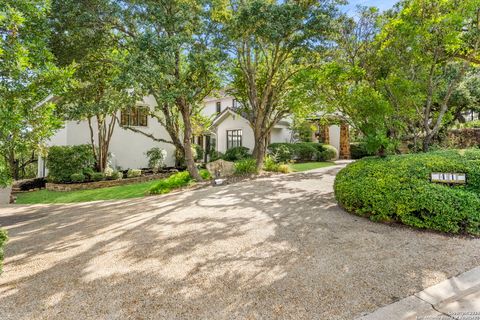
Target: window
(219, 107)
(135, 117)
(234, 138)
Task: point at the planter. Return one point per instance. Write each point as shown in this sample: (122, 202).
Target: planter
(104, 184)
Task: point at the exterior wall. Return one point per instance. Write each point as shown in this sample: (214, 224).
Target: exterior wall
(234, 124)
(128, 148)
(210, 109)
(280, 135)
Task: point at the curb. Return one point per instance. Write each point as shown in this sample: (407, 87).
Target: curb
(435, 300)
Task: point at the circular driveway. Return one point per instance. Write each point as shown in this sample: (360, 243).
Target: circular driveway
(272, 248)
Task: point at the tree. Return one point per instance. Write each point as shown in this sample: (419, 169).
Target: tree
(270, 42)
(424, 46)
(175, 60)
(27, 76)
(85, 36)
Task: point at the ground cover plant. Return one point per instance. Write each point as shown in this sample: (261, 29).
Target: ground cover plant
(175, 181)
(398, 188)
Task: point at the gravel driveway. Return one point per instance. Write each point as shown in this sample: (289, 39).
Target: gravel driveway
(273, 248)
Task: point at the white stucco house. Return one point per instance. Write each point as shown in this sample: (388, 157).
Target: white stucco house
(128, 148)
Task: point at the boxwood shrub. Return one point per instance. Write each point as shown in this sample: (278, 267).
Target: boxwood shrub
(302, 151)
(398, 188)
(64, 161)
(236, 154)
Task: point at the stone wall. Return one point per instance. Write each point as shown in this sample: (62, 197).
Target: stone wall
(103, 184)
(464, 138)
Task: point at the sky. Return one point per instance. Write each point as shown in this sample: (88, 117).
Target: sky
(381, 4)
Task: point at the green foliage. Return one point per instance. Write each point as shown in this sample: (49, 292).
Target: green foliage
(215, 155)
(156, 158)
(175, 181)
(303, 130)
(64, 161)
(236, 154)
(97, 176)
(359, 150)
(115, 175)
(77, 177)
(245, 166)
(133, 173)
(198, 152)
(398, 188)
(472, 124)
(303, 151)
(271, 165)
(3, 241)
(28, 76)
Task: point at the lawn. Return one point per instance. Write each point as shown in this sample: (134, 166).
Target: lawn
(298, 167)
(136, 190)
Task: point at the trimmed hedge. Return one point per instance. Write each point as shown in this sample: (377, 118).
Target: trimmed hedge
(64, 161)
(236, 154)
(303, 151)
(3, 241)
(398, 188)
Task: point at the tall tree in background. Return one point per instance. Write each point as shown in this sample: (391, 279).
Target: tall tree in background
(27, 76)
(270, 42)
(85, 36)
(176, 61)
(424, 45)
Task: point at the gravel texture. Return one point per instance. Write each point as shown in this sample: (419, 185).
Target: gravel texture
(272, 248)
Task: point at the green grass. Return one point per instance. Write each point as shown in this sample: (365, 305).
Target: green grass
(128, 191)
(298, 167)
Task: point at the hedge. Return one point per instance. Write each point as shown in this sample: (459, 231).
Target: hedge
(302, 151)
(398, 188)
(64, 161)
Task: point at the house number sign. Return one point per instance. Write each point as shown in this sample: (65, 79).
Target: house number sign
(451, 178)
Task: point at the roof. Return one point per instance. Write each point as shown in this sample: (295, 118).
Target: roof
(224, 115)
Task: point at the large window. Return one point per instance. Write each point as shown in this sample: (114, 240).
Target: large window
(234, 138)
(135, 117)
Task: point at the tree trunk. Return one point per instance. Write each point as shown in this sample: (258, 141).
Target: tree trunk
(187, 144)
(260, 147)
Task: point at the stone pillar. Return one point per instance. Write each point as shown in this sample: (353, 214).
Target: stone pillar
(344, 141)
(326, 134)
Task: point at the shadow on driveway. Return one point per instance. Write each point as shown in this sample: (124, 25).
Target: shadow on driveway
(271, 248)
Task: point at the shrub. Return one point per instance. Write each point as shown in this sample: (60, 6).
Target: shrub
(283, 168)
(133, 173)
(269, 164)
(472, 124)
(236, 154)
(198, 152)
(77, 177)
(330, 153)
(303, 151)
(175, 181)
(246, 166)
(36, 183)
(359, 151)
(115, 175)
(64, 161)
(3, 241)
(156, 158)
(97, 176)
(215, 155)
(398, 188)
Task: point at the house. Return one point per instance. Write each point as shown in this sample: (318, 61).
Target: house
(229, 129)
